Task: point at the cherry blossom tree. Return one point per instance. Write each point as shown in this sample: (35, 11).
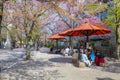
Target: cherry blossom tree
(1, 15)
(27, 17)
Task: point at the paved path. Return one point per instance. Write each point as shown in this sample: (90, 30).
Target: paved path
(10, 58)
(46, 66)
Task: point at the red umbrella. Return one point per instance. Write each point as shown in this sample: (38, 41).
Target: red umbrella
(89, 29)
(68, 32)
(56, 37)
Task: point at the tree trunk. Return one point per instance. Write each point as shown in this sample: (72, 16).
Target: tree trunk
(37, 49)
(11, 42)
(1, 9)
(36, 46)
(36, 41)
(117, 42)
(118, 51)
(28, 57)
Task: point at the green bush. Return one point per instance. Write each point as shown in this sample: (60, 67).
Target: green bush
(48, 44)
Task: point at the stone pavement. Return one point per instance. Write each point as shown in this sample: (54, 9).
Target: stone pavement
(46, 66)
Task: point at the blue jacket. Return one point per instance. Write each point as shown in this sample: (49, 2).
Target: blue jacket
(92, 55)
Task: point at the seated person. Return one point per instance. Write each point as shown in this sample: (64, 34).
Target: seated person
(67, 50)
(91, 56)
(84, 58)
(80, 51)
(99, 58)
(51, 49)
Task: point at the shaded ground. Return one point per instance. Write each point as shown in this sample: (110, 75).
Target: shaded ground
(112, 67)
(50, 67)
(30, 70)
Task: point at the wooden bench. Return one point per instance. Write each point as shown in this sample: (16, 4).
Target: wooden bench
(76, 62)
(74, 58)
(80, 64)
(65, 54)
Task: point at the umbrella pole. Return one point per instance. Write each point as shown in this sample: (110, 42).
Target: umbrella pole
(71, 46)
(87, 42)
(57, 44)
(70, 41)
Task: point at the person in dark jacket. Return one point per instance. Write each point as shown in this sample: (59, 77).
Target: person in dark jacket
(99, 58)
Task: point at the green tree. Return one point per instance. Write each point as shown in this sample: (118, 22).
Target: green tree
(113, 19)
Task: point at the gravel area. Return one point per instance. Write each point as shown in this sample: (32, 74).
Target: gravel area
(45, 66)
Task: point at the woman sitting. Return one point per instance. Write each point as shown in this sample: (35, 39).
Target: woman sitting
(91, 55)
(84, 58)
(99, 59)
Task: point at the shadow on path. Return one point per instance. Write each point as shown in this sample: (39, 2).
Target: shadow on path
(104, 78)
(33, 70)
(112, 67)
(44, 50)
(61, 60)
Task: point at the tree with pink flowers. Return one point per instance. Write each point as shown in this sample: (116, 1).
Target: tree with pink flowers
(27, 17)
